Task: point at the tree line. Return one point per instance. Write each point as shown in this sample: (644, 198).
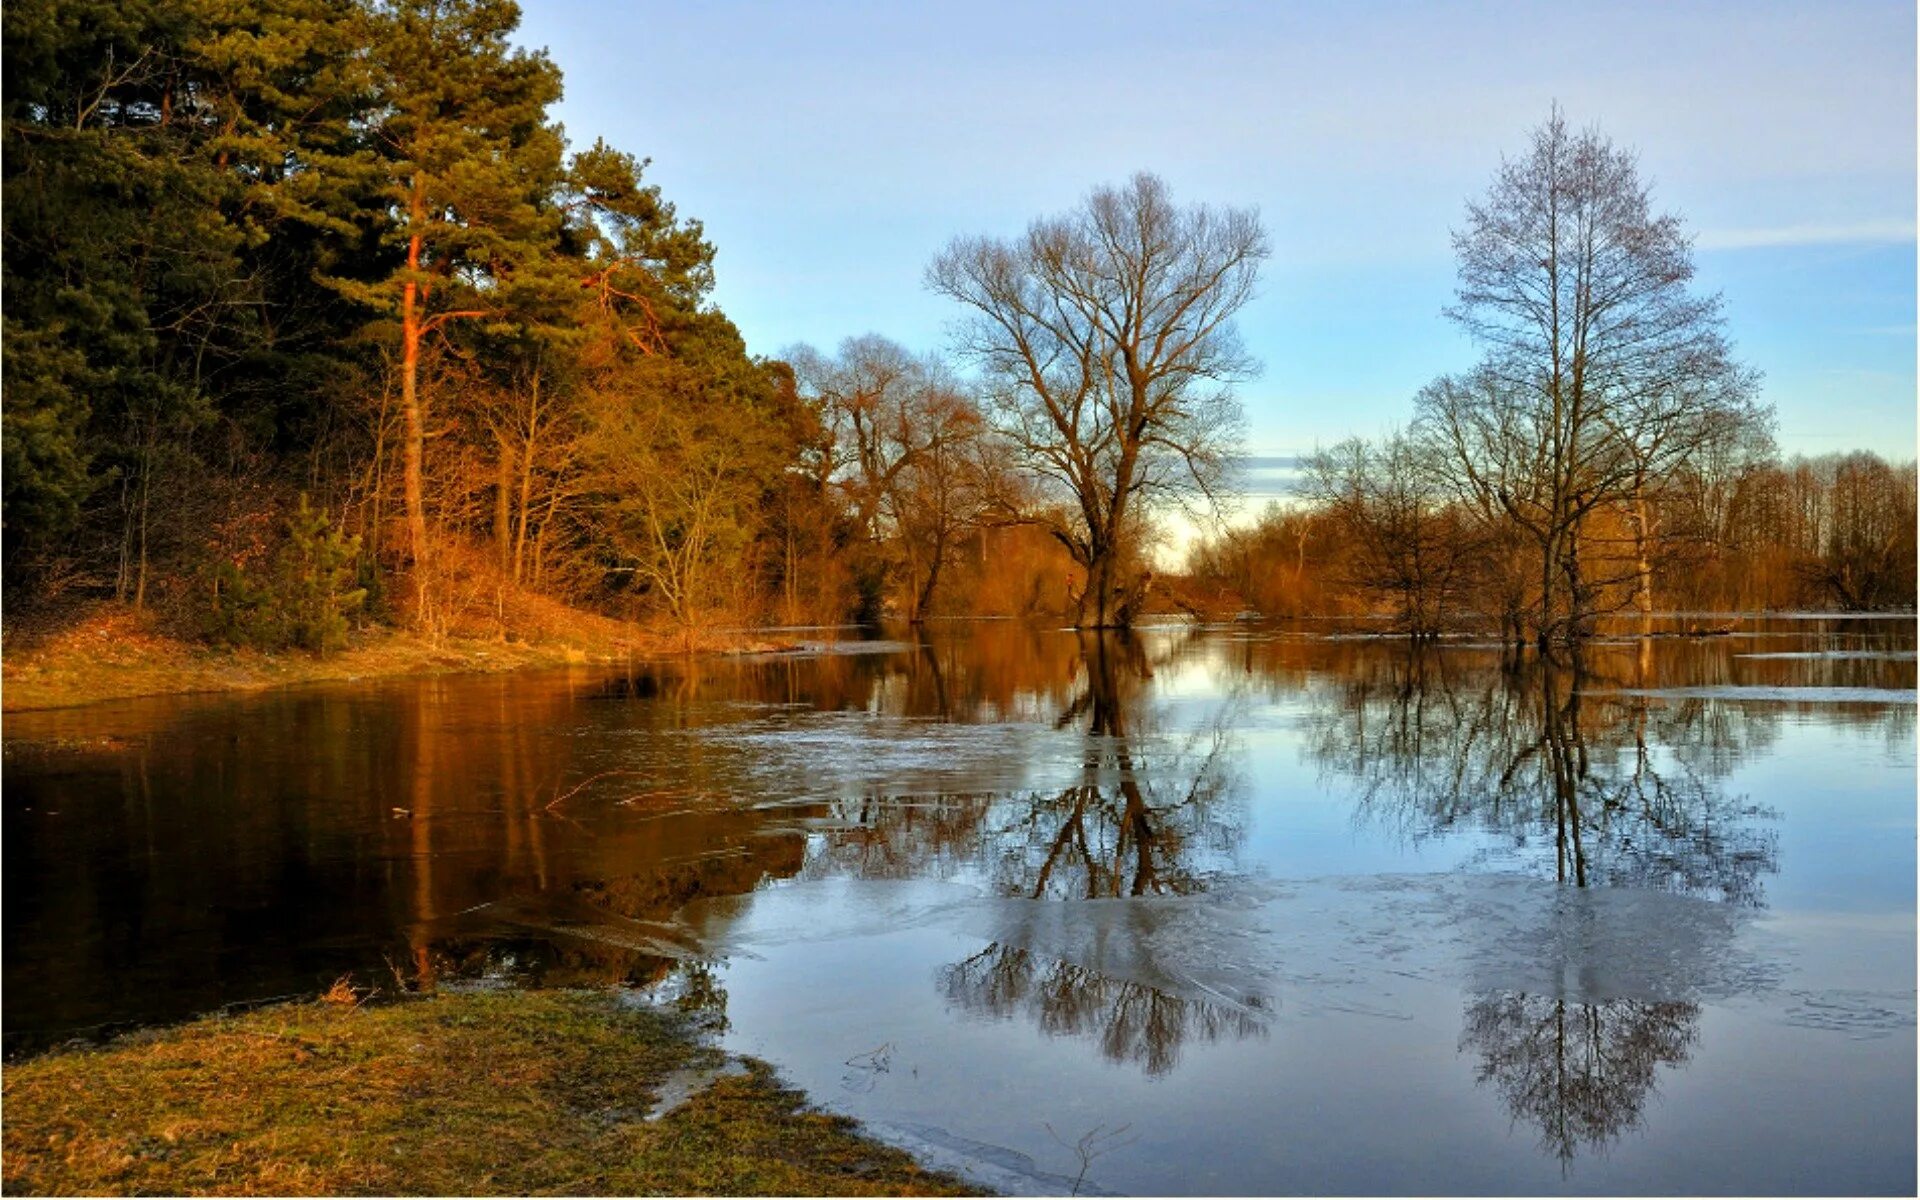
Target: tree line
(1607, 453)
(312, 314)
(337, 253)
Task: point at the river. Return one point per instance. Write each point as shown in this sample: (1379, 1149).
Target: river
(1244, 909)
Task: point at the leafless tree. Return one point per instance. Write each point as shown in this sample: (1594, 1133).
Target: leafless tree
(1411, 541)
(1106, 336)
(866, 395)
(905, 449)
(948, 489)
(1603, 373)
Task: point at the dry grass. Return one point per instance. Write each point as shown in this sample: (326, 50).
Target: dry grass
(481, 1094)
(111, 652)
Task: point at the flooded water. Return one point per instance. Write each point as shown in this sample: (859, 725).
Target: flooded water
(1239, 910)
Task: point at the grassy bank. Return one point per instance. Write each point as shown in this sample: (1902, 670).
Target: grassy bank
(114, 652)
(481, 1094)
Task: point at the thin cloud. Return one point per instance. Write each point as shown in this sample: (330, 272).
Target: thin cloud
(1807, 235)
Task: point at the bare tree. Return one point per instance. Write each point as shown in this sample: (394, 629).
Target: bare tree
(1410, 540)
(866, 394)
(1603, 371)
(1701, 418)
(1106, 336)
(947, 490)
(904, 447)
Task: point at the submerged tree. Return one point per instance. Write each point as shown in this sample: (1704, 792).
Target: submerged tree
(1408, 540)
(1604, 373)
(1107, 339)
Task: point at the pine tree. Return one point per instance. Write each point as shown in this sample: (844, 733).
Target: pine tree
(470, 166)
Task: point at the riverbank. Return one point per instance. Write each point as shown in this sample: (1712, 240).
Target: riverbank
(115, 653)
(494, 1093)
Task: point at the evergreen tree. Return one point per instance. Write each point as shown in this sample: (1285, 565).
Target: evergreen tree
(470, 167)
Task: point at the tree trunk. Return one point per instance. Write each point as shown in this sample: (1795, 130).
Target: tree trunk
(411, 334)
(503, 507)
(924, 604)
(1642, 543)
(1549, 566)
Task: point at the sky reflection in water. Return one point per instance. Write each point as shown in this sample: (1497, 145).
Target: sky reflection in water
(1259, 910)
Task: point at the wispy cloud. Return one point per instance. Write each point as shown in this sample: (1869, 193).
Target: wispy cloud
(1807, 235)
(1269, 462)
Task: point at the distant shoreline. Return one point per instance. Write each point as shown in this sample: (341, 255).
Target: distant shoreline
(112, 658)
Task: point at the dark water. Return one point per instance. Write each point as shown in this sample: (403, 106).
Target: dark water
(1230, 910)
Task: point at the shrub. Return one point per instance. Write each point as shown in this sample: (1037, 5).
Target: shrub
(303, 597)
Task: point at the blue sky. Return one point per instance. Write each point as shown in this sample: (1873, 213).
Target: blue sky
(832, 149)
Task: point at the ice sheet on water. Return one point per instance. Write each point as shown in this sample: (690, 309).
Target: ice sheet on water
(1764, 693)
(1858, 1014)
(1343, 944)
(565, 917)
(1803, 615)
(822, 911)
(811, 755)
(1005, 1171)
(1338, 942)
(1837, 655)
(807, 649)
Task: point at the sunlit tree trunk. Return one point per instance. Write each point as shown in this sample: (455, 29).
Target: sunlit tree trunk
(503, 506)
(1643, 564)
(415, 434)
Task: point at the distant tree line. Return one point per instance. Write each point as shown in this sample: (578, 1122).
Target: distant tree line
(1829, 533)
(1607, 453)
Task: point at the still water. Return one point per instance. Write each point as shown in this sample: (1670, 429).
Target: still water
(1224, 910)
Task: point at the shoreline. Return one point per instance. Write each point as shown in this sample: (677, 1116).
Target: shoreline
(117, 655)
(112, 657)
(463, 1093)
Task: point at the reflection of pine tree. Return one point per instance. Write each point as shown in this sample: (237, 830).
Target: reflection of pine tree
(1132, 1022)
(1580, 1073)
(700, 996)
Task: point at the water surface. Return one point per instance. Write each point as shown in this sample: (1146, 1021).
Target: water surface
(1237, 910)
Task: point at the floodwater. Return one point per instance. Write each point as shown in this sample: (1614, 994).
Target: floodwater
(1209, 910)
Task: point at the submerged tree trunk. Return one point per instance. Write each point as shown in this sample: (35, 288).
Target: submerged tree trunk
(1643, 565)
(1096, 599)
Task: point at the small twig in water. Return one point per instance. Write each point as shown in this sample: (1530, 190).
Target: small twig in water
(575, 790)
(1092, 1144)
(880, 1058)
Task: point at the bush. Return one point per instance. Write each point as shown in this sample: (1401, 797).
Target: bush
(303, 597)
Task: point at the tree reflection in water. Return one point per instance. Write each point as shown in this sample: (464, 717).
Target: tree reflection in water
(1132, 1022)
(1148, 813)
(1585, 786)
(1580, 1073)
(1600, 789)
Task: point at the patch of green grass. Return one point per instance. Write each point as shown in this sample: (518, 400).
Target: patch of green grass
(472, 1094)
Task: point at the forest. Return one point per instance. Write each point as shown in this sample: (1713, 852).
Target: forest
(315, 320)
